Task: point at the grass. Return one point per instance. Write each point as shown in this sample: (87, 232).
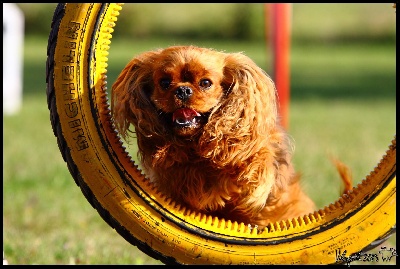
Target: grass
(343, 103)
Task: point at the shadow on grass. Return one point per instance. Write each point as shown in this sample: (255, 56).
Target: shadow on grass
(381, 85)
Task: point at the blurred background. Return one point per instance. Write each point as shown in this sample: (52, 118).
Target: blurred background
(342, 103)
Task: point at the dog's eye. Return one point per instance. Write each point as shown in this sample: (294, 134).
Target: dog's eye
(205, 83)
(165, 83)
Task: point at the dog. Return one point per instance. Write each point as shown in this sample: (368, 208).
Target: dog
(209, 135)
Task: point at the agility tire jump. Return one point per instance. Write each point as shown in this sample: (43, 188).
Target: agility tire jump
(80, 115)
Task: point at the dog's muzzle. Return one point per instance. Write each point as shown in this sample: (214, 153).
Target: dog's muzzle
(186, 117)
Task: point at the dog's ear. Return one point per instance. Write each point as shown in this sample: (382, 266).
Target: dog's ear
(244, 132)
(130, 97)
(247, 112)
(251, 93)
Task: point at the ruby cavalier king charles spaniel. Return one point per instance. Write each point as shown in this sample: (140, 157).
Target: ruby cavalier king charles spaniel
(208, 133)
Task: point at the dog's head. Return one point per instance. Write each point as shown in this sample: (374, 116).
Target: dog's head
(187, 86)
(184, 91)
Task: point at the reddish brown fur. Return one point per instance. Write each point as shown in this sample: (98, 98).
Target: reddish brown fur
(237, 165)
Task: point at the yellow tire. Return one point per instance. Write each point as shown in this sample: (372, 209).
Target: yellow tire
(129, 203)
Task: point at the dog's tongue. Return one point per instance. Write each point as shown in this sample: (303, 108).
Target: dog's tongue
(183, 115)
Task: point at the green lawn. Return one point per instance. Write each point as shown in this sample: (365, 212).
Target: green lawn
(343, 103)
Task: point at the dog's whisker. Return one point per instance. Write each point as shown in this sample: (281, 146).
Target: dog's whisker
(161, 101)
(230, 88)
(161, 112)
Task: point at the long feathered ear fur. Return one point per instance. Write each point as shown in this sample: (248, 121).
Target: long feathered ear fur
(130, 99)
(243, 132)
(247, 113)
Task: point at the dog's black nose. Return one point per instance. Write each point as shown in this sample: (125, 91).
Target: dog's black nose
(183, 92)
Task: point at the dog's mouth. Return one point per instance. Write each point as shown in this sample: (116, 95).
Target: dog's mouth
(186, 117)
(185, 121)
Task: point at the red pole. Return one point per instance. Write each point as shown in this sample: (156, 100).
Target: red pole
(278, 20)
